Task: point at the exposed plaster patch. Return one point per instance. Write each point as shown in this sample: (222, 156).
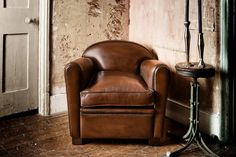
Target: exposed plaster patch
(114, 28)
(65, 43)
(94, 8)
(73, 30)
(210, 15)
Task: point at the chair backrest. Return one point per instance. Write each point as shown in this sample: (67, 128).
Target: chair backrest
(118, 55)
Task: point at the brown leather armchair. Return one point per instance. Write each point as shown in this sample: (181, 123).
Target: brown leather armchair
(117, 89)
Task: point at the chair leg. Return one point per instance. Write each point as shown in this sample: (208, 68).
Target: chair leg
(154, 141)
(77, 141)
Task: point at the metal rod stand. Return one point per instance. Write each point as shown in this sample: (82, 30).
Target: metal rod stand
(193, 134)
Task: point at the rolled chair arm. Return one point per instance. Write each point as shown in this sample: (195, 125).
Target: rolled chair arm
(157, 76)
(77, 75)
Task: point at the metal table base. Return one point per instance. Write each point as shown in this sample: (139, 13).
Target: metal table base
(193, 134)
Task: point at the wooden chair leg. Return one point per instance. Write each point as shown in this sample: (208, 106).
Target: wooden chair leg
(154, 141)
(77, 141)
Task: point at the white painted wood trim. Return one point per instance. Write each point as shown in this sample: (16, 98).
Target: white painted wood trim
(58, 100)
(209, 122)
(43, 84)
(58, 103)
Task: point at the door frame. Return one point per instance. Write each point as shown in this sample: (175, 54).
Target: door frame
(43, 70)
(227, 67)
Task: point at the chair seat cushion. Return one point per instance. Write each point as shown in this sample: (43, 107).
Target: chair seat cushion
(116, 88)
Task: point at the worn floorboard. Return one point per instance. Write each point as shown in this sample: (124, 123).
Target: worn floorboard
(37, 136)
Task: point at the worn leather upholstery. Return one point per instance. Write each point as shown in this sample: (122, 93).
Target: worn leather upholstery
(117, 89)
(113, 55)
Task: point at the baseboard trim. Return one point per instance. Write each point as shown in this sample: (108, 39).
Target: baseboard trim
(209, 122)
(58, 104)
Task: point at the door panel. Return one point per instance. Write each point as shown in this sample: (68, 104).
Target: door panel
(15, 76)
(18, 56)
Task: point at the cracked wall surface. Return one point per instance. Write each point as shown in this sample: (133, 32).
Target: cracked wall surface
(163, 22)
(77, 24)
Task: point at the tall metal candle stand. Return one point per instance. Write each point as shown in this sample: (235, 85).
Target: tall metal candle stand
(194, 70)
(201, 63)
(187, 32)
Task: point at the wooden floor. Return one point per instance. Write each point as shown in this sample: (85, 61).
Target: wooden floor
(37, 136)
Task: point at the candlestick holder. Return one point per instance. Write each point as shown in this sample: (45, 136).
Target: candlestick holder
(201, 63)
(187, 37)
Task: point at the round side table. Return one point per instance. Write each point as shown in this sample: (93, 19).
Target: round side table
(193, 134)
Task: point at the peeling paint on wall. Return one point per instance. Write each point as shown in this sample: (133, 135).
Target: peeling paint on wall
(114, 27)
(210, 15)
(76, 24)
(94, 8)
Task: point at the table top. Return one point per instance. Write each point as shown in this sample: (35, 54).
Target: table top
(194, 71)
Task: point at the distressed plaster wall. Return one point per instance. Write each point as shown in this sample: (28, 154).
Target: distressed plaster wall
(159, 24)
(77, 24)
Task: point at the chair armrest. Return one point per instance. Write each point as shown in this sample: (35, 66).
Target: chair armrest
(81, 69)
(157, 76)
(77, 73)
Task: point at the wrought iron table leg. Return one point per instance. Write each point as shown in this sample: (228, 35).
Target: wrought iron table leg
(187, 135)
(175, 153)
(193, 133)
(203, 146)
(199, 139)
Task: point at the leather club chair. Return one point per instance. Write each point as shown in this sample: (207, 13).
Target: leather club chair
(116, 90)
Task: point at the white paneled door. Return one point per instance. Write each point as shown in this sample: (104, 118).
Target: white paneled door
(18, 56)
